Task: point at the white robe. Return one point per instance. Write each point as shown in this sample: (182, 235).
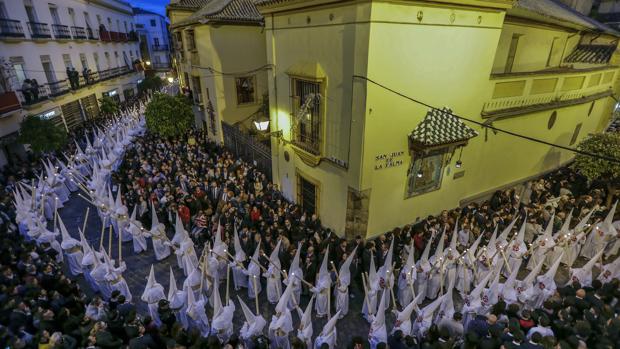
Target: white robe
(405, 287)
(139, 239)
(274, 284)
(74, 259)
(198, 318)
(117, 282)
(322, 289)
(341, 294)
(162, 250)
(329, 339)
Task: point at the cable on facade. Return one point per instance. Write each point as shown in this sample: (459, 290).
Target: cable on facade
(217, 72)
(483, 125)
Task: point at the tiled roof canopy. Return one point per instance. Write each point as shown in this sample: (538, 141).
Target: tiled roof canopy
(189, 4)
(230, 11)
(440, 127)
(555, 10)
(596, 54)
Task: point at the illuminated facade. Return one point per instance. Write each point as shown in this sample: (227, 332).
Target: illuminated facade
(355, 148)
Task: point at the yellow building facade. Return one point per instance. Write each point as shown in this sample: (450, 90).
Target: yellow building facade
(352, 82)
(220, 56)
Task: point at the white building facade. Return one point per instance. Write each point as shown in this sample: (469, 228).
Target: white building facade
(152, 30)
(59, 57)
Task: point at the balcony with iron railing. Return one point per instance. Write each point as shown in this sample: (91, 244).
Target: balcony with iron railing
(39, 30)
(93, 34)
(78, 32)
(61, 31)
(114, 36)
(61, 87)
(10, 28)
(519, 93)
(104, 35)
(160, 47)
(133, 36)
(122, 37)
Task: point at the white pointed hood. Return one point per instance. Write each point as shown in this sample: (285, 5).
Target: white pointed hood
(172, 287)
(387, 264)
(521, 235)
(281, 307)
(503, 237)
(179, 231)
(67, 241)
(254, 268)
(492, 242)
(119, 199)
(512, 278)
(217, 302)
(455, 235)
(275, 256)
(410, 263)
(550, 274)
(306, 317)
(581, 226)
(345, 273)
(330, 325)
(153, 291)
(379, 318)
(405, 314)
(239, 253)
(607, 226)
(247, 313)
(471, 251)
(439, 250)
(324, 272)
(566, 225)
(549, 229)
(529, 279)
(427, 312)
(154, 219)
(219, 247)
(584, 274)
(372, 272)
(295, 264)
(423, 262)
(477, 291)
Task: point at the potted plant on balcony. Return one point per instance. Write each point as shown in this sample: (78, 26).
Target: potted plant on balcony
(168, 115)
(594, 168)
(41, 134)
(108, 106)
(8, 85)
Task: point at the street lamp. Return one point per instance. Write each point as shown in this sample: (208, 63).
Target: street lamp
(170, 79)
(148, 62)
(262, 123)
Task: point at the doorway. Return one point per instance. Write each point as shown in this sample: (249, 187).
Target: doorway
(307, 194)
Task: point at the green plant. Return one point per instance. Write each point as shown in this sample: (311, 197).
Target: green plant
(42, 134)
(606, 144)
(150, 83)
(169, 115)
(108, 106)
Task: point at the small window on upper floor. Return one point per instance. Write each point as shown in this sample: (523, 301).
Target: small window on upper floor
(246, 89)
(139, 26)
(153, 23)
(512, 53)
(191, 40)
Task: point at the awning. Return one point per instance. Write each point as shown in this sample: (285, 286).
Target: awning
(440, 128)
(596, 54)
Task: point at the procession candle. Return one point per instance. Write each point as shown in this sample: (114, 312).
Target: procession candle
(85, 220)
(110, 241)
